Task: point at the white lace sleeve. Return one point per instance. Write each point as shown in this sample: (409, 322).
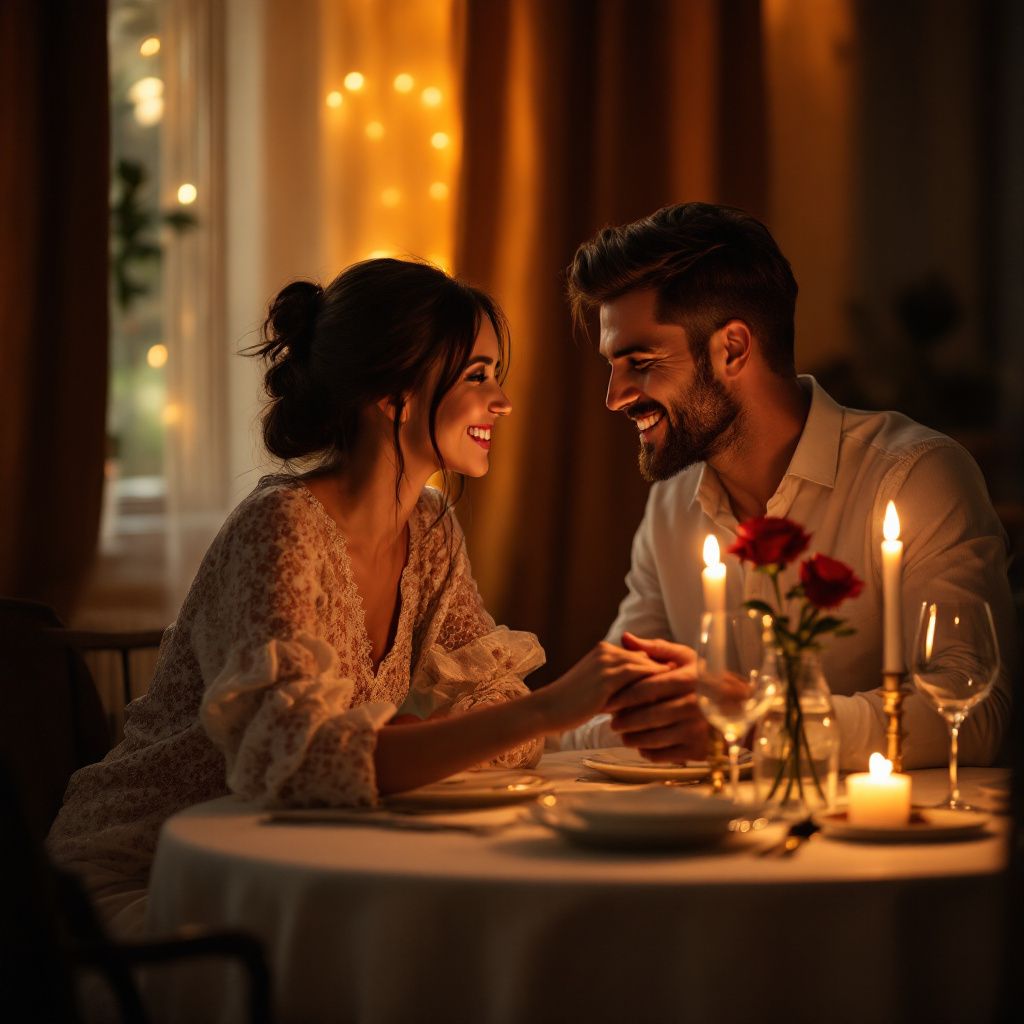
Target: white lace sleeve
(475, 663)
(277, 703)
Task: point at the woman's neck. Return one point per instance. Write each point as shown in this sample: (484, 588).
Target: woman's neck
(362, 499)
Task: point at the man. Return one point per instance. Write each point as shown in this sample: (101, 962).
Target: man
(696, 316)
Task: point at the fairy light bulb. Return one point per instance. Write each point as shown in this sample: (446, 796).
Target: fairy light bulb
(438, 190)
(187, 193)
(354, 81)
(156, 356)
(404, 82)
(149, 47)
(335, 99)
(375, 130)
(439, 140)
(431, 96)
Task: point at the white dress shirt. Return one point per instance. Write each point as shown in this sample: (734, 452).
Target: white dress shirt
(847, 465)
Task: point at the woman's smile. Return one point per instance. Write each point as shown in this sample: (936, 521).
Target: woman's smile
(481, 434)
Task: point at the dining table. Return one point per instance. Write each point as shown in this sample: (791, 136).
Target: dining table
(491, 917)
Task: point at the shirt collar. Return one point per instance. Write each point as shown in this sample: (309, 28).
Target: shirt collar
(816, 458)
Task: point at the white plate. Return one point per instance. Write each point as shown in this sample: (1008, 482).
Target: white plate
(482, 788)
(927, 825)
(626, 765)
(658, 819)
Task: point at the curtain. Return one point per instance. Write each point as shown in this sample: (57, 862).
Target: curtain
(579, 114)
(53, 293)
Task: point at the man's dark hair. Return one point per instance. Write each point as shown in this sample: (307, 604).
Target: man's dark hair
(708, 265)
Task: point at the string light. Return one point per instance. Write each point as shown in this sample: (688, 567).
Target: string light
(187, 194)
(149, 111)
(438, 190)
(335, 99)
(439, 140)
(354, 81)
(431, 96)
(404, 82)
(145, 89)
(391, 197)
(375, 130)
(149, 47)
(157, 356)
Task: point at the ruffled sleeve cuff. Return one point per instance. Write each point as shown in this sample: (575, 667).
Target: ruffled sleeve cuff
(282, 717)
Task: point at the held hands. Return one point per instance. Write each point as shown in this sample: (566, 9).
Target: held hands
(586, 689)
(659, 714)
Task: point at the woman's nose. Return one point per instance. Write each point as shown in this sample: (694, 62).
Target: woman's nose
(500, 405)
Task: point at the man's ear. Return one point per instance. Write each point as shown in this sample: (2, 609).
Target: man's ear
(390, 409)
(735, 345)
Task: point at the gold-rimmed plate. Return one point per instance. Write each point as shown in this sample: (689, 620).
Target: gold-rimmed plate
(482, 788)
(625, 765)
(926, 825)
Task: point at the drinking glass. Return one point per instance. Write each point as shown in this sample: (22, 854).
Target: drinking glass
(954, 664)
(737, 676)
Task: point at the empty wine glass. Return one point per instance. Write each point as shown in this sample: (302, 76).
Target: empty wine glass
(955, 662)
(737, 676)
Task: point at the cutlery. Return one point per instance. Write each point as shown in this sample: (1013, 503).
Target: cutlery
(796, 835)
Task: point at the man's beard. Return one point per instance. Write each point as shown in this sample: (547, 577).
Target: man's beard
(696, 429)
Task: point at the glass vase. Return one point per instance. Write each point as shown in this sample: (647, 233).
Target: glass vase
(796, 746)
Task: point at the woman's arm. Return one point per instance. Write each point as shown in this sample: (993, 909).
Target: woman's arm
(410, 755)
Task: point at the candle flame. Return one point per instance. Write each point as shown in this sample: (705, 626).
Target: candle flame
(929, 636)
(712, 554)
(891, 523)
(879, 766)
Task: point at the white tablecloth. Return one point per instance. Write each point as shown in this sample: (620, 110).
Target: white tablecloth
(368, 925)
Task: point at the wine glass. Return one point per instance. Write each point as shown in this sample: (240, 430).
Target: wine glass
(737, 676)
(955, 662)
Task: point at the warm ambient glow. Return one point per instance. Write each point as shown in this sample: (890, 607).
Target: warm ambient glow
(157, 356)
(403, 82)
(354, 81)
(891, 523)
(379, 254)
(439, 140)
(187, 194)
(149, 111)
(391, 197)
(145, 89)
(149, 47)
(712, 552)
(431, 96)
(438, 190)
(335, 99)
(172, 414)
(878, 798)
(375, 130)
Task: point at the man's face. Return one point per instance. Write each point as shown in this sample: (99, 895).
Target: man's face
(683, 413)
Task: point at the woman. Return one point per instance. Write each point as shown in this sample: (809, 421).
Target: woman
(334, 596)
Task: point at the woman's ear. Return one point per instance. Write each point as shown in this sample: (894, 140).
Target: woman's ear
(391, 409)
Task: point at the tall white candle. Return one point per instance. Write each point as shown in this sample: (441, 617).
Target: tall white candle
(713, 581)
(892, 596)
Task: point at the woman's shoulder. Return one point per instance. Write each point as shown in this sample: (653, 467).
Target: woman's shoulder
(279, 507)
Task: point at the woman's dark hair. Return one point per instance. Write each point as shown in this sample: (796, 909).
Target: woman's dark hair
(707, 264)
(380, 329)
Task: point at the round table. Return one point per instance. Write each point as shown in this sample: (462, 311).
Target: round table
(370, 925)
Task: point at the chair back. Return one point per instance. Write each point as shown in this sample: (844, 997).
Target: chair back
(52, 722)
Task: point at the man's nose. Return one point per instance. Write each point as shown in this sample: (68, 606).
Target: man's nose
(621, 392)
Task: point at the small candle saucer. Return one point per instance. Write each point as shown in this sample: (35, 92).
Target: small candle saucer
(926, 825)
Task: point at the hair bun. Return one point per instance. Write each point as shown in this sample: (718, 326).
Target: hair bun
(291, 323)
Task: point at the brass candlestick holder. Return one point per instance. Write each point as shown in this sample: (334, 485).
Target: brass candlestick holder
(716, 758)
(892, 702)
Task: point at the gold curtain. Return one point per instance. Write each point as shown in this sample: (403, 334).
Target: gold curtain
(579, 114)
(53, 293)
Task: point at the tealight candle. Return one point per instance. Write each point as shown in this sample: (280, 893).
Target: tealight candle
(712, 579)
(877, 797)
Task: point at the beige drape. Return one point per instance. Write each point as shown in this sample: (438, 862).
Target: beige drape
(53, 293)
(578, 114)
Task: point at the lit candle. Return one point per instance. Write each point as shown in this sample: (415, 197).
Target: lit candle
(877, 797)
(713, 581)
(892, 571)
(713, 576)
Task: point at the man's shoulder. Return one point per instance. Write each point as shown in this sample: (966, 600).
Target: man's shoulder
(890, 436)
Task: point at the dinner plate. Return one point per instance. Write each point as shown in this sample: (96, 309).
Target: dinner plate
(626, 765)
(926, 825)
(655, 818)
(481, 788)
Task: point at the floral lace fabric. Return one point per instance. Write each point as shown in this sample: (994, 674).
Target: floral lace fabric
(265, 685)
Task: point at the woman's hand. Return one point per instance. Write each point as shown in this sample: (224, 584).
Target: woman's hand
(659, 715)
(587, 687)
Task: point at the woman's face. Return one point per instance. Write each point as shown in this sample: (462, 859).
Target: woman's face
(467, 413)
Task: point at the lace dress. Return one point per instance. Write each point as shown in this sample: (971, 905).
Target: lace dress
(265, 685)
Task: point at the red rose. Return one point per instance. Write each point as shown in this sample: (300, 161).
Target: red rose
(827, 582)
(769, 540)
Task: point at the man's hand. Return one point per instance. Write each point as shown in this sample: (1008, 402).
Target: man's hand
(659, 715)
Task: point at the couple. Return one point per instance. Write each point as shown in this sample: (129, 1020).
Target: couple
(333, 646)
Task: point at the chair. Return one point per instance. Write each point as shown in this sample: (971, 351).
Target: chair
(50, 933)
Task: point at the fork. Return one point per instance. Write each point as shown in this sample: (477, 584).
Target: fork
(796, 835)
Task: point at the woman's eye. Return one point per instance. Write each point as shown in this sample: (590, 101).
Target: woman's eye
(478, 377)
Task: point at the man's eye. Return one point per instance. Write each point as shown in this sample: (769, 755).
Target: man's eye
(641, 365)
